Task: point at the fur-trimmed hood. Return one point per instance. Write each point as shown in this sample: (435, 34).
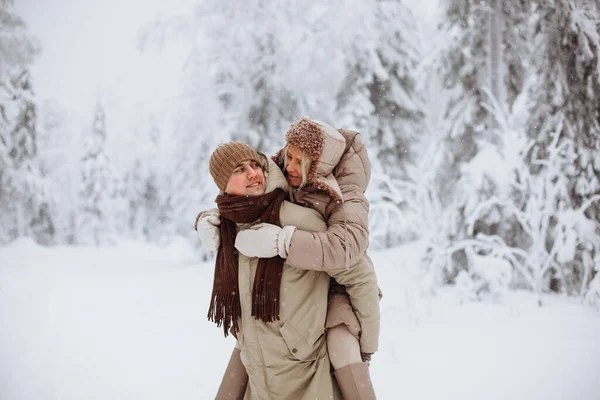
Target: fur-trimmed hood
(324, 145)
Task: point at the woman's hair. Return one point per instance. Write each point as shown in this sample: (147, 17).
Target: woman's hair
(305, 165)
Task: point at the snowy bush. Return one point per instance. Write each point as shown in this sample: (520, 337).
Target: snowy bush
(555, 232)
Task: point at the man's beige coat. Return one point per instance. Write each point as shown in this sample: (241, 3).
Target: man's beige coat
(287, 359)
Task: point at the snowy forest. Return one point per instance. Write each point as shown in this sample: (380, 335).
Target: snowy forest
(483, 129)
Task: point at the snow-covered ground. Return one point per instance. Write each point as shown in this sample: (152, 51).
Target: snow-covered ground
(129, 322)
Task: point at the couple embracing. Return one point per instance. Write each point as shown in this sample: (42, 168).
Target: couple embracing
(293, 283)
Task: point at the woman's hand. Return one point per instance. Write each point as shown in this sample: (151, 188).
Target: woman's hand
(207, 227)
(265, 240)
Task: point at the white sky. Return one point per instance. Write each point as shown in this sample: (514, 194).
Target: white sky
(89, 50)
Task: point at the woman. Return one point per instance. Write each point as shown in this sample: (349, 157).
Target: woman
(276, 313)
(328, 171)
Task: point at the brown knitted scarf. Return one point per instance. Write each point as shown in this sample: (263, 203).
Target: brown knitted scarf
(225, 305)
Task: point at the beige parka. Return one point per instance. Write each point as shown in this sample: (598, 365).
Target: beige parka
(338, 178)
(287, 359)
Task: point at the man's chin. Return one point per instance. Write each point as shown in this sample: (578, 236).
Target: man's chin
(259, 191)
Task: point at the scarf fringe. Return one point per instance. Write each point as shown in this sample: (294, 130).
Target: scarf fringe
(225, 308)
(265, 304)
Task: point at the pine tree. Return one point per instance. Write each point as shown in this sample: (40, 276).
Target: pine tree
(201, 122)
(518, 46)
(143, 190)
(25, 159)
(257, 103)
(24, 198)
(463, 75)
(56, 136)
(471, 157)
(98, 187)
(378, 96)
(567, 112)
(463, 66)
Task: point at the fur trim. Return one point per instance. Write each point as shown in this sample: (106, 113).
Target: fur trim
(335, 196)
(278, 158)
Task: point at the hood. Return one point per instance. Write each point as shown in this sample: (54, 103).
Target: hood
(273, 176)
(324, 145)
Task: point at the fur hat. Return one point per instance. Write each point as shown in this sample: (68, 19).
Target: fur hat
(308, 136)
(226, 157)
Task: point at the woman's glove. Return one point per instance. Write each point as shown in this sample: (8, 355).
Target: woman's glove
(207, 227)
(265, 241)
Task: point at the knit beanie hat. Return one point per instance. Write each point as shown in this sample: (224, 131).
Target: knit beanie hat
(226, 157)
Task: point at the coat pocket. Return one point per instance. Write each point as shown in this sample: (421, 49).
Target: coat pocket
(300, 346)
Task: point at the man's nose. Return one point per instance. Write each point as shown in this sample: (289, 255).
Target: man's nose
(250, 172)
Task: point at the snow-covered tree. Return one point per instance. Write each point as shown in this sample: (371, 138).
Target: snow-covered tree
(247, 67)
(378, 96)
(463, 158)
(99, 188)
(60, 149)
(517, 46)
(143, 191)
(24, 198)
(567, 116)
(554, 232)
(464, 131)
(143, 200)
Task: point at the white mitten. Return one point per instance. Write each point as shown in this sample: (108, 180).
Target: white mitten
(265, 241)
(208, 231)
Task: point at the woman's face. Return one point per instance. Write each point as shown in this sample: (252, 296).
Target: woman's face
(247, 179)
(294, 166)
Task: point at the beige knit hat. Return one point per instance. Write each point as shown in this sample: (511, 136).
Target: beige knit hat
(226, 157)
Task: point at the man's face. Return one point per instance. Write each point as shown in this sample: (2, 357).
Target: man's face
(247, 179)
(294, 166)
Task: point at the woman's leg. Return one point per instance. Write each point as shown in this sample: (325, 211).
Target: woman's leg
(355, 383)
(235, 379)
(343, 347)
(351, 374)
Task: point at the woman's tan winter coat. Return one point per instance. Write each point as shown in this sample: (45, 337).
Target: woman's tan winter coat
(338, 178)
(287, 359)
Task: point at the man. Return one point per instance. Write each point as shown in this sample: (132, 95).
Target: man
(277, 313)
(329, 170)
